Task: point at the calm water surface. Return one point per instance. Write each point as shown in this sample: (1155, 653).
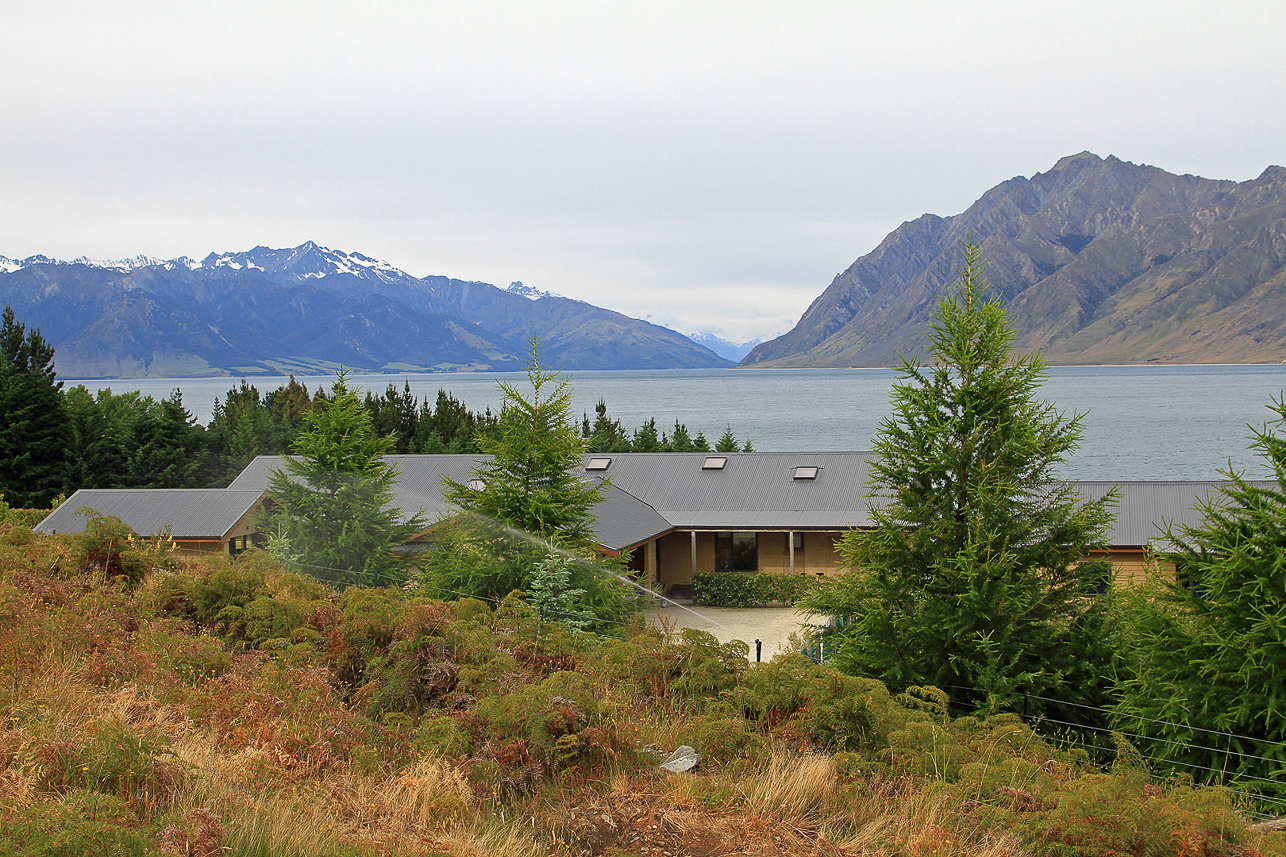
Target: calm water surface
(1141, 422)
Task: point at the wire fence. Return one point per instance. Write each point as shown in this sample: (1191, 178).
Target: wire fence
(1270, 795)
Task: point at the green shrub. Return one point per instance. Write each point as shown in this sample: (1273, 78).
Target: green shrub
(22, 517)
(192, 657)
(719, 736)
(83, 822)
(544, 716)
(442, 735)
(737, 589)
(701, 666)
(801, 701)
(107, 547)
(1127, 814)
(414, 675)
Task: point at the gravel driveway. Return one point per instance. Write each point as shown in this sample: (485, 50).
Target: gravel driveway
(772, 625)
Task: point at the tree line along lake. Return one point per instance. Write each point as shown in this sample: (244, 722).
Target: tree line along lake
(1140, 423)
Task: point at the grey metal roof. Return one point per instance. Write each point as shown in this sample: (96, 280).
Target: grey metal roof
(622, 520)
(652, 493)
(753, 491)
(419, 479)
(188, 513)
(1144, 508)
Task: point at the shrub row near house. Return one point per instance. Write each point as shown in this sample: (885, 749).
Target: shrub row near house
(22, 517)
(737, 589)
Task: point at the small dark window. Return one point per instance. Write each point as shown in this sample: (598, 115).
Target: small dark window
(736, 551)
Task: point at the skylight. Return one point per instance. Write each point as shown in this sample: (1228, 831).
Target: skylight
(476, 485)
(806, 472)
(714, 462)
(598, 464)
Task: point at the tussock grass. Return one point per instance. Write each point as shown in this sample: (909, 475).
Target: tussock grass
(799, 788)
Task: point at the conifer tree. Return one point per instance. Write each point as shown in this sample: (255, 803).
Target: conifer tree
(532, 477)
(1205, 649)
(972, 577)
(527, 505)
(332, 504)
(167, 445)
(727, 442)
(646, 438)
(680, 441)
(33, 428)
(605, 434)
(101, 433)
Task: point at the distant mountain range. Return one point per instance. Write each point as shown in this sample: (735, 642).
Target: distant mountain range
(733, 351)
(309, 309)
(1099, 261)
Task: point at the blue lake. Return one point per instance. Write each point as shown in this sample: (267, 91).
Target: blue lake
(1141, 422)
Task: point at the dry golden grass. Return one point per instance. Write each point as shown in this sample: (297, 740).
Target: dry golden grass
(428, 806)
(922, 823)
(428, 796)
(799, 788)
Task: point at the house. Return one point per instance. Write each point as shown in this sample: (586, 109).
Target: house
(680, 513)
(675, 513)
(198, 520)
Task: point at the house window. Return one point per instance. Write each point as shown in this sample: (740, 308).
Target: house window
(736, 551)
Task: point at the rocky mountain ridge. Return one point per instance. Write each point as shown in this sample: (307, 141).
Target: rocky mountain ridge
(1099, 261)
(312, 309)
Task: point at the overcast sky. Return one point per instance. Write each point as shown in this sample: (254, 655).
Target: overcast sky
(710, 166)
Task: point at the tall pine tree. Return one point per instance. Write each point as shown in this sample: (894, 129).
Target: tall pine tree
(973, 577)
(1204, 662)
(532, 477)
(33, 430)
(332, 504)
(529, 514)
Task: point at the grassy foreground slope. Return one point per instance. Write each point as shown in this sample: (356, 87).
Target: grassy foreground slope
(157, 706)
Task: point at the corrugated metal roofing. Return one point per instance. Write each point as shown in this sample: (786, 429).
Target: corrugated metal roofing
(419, 480)
(754, 490)
(188, 513)
(655, 492)
(1144, 508)
(622, 520)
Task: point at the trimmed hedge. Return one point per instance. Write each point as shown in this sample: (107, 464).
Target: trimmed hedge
(21, 517)
(739, 589)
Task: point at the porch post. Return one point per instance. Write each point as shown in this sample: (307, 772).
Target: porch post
(790, 538)
(694, 551)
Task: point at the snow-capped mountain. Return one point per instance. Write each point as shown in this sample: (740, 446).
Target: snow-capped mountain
(311, 309)
(529, 292)
(308, 261)
(733, 351)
